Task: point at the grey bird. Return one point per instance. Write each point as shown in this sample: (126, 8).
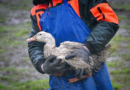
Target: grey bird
(93, 64)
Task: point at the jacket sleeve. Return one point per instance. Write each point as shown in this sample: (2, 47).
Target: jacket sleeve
(103, 24)
(35, 49)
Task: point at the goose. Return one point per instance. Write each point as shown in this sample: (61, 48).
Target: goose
(93, 64)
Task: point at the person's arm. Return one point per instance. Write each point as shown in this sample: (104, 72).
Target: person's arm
(102, 21)
(50, 65)
(35, 49)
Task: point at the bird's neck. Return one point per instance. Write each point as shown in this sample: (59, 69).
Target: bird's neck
(51, 43)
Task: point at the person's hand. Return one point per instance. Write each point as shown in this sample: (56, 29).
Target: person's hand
(52, 66)
(82, 53)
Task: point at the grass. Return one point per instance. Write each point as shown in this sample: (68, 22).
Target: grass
(2, 4)
(125, 57)
(3, 29)
(21, 33)
(12, 69)
(126, 27)
(120, 6)
(22, 7)
(115, 40)
(122, 17)
(17, 4)
(128, 46)
(29, 85)
(127, 7)
(11, 37)
(119, 38)
(2, 50)
(3, 78)
(17, 34)
(120, 76)
(114, 64)
(2, 19)
(3, 87)
(115, 43)
(14, 77)
(117, 86)
(121, 71)
(26, 59)
(39, 84)
(15, 43)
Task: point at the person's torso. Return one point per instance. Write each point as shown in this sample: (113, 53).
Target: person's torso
(79, 7)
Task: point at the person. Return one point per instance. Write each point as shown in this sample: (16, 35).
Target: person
(91, 22)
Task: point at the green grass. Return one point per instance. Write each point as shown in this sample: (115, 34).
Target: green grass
(126, 27)
(23, 5)
(115, 43)
(119, 38)
(17, 4)
(120, 6)
(15, 43)
(14, 84)
(2, 50)
(26, 59)
(121, 77)
(122, 71)
(117, 86)
(122, 17)
(14, 35)
(29, 85)
(10, 42)
(4, 78)
(3, 87)
(11, 37)
(110, 64)
(33, 85)
(113, 50)
(12, 69)
(21, 33)
(2, 4)
(3, 29)
(2, 19)
(128, 46)
(127, 7)
(125, 57)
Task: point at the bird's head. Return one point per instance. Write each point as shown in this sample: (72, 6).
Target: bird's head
(41, 37)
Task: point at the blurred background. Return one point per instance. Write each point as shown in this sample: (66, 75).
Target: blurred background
(16, 69)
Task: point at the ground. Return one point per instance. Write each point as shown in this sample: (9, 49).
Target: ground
(16, 69)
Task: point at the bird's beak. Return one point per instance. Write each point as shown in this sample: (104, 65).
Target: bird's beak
(32, 39)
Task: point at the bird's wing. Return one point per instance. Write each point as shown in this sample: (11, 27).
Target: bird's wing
(62, 52)
(71, 45)
(78, 63)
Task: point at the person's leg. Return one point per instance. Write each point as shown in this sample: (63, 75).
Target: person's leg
(102, 78)
(61, 83)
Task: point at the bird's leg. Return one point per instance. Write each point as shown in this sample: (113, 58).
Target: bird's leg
(75, 79)
(87, 75)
